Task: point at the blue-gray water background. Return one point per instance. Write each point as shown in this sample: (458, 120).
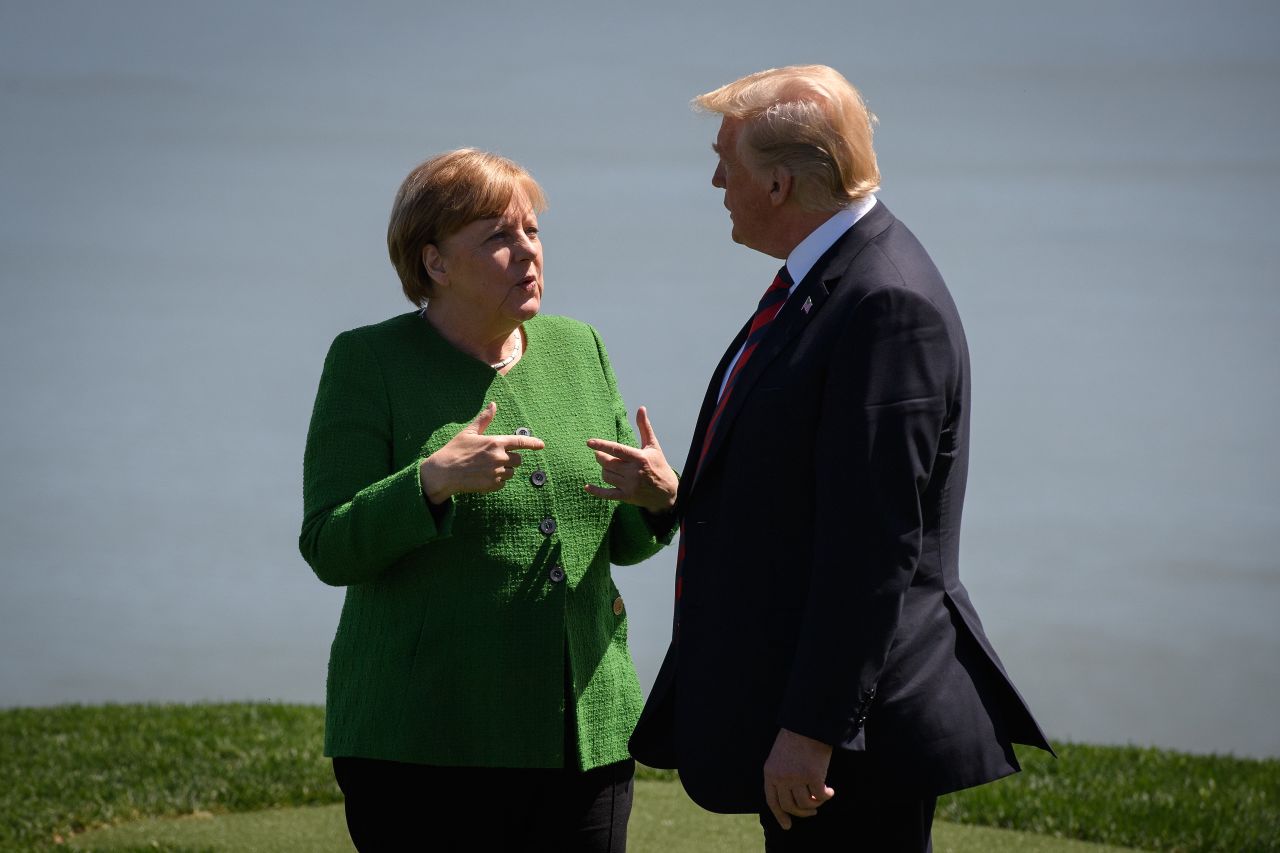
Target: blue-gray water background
(193, 204)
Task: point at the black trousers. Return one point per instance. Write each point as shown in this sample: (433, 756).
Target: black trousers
(392, 806)
(858, 819)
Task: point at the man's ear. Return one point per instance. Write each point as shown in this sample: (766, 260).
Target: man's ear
(780, 186)
(433, 261)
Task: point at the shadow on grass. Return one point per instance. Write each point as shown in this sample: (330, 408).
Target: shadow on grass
(664, 821)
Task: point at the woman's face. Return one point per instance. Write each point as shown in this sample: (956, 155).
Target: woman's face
(494, 266)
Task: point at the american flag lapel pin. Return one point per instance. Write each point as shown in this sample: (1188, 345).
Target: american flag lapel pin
(808, 303)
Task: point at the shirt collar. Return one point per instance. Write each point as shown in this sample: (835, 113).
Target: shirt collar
(805, 255)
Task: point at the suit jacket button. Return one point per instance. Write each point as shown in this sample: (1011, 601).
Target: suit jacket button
(617, 606)
(538, 478)
(548, 526)
(556, 574)
(524, 431)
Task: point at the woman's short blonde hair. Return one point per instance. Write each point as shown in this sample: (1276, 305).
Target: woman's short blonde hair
(442, 195)
(809, 120)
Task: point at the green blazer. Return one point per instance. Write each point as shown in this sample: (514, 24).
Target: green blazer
(459, 640)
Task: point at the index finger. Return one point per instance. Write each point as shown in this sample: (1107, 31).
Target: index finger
(648, 438)
(521, 442)
(621, 451)
(796, 800)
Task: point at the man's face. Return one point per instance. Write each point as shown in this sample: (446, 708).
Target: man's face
(746, 199)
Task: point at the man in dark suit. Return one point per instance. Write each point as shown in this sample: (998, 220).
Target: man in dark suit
(827, 669)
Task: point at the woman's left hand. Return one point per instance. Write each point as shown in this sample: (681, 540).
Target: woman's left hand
(637, 476)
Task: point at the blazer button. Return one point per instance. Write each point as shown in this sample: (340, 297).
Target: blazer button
(548, 526)
(556, 574)
(617, 606)
(538, 478)
(523, 431)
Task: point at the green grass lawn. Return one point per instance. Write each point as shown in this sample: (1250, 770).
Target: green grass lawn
(68, 769)
(664, 820)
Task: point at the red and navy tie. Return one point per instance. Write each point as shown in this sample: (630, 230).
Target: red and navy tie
(770, 305)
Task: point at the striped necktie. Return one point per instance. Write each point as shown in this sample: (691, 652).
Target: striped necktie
(770, 305)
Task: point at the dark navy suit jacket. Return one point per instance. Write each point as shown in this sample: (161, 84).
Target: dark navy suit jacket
(821, 587)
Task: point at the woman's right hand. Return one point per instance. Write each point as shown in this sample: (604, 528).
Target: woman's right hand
(473, 461)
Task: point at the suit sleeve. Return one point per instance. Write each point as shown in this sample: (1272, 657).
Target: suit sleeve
(885, 403)
(634, 535)
(359, 515)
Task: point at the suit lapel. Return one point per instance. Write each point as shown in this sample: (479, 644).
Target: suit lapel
(801, 307)
(709, 400)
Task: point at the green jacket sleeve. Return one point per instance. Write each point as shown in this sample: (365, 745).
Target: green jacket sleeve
(634, 535)
(359, 516)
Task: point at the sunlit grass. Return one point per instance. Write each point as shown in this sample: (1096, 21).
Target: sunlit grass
(65, 769)
(664, 821)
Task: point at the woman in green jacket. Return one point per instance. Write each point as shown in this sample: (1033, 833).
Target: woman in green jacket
(469, 477)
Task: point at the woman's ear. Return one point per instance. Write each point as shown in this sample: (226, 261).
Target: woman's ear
(433, 261)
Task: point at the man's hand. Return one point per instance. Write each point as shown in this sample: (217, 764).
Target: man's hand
(795, 777)
(641, 477)
(473, 461)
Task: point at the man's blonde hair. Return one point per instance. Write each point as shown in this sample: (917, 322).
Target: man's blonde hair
(809, 120)
(443, 194)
